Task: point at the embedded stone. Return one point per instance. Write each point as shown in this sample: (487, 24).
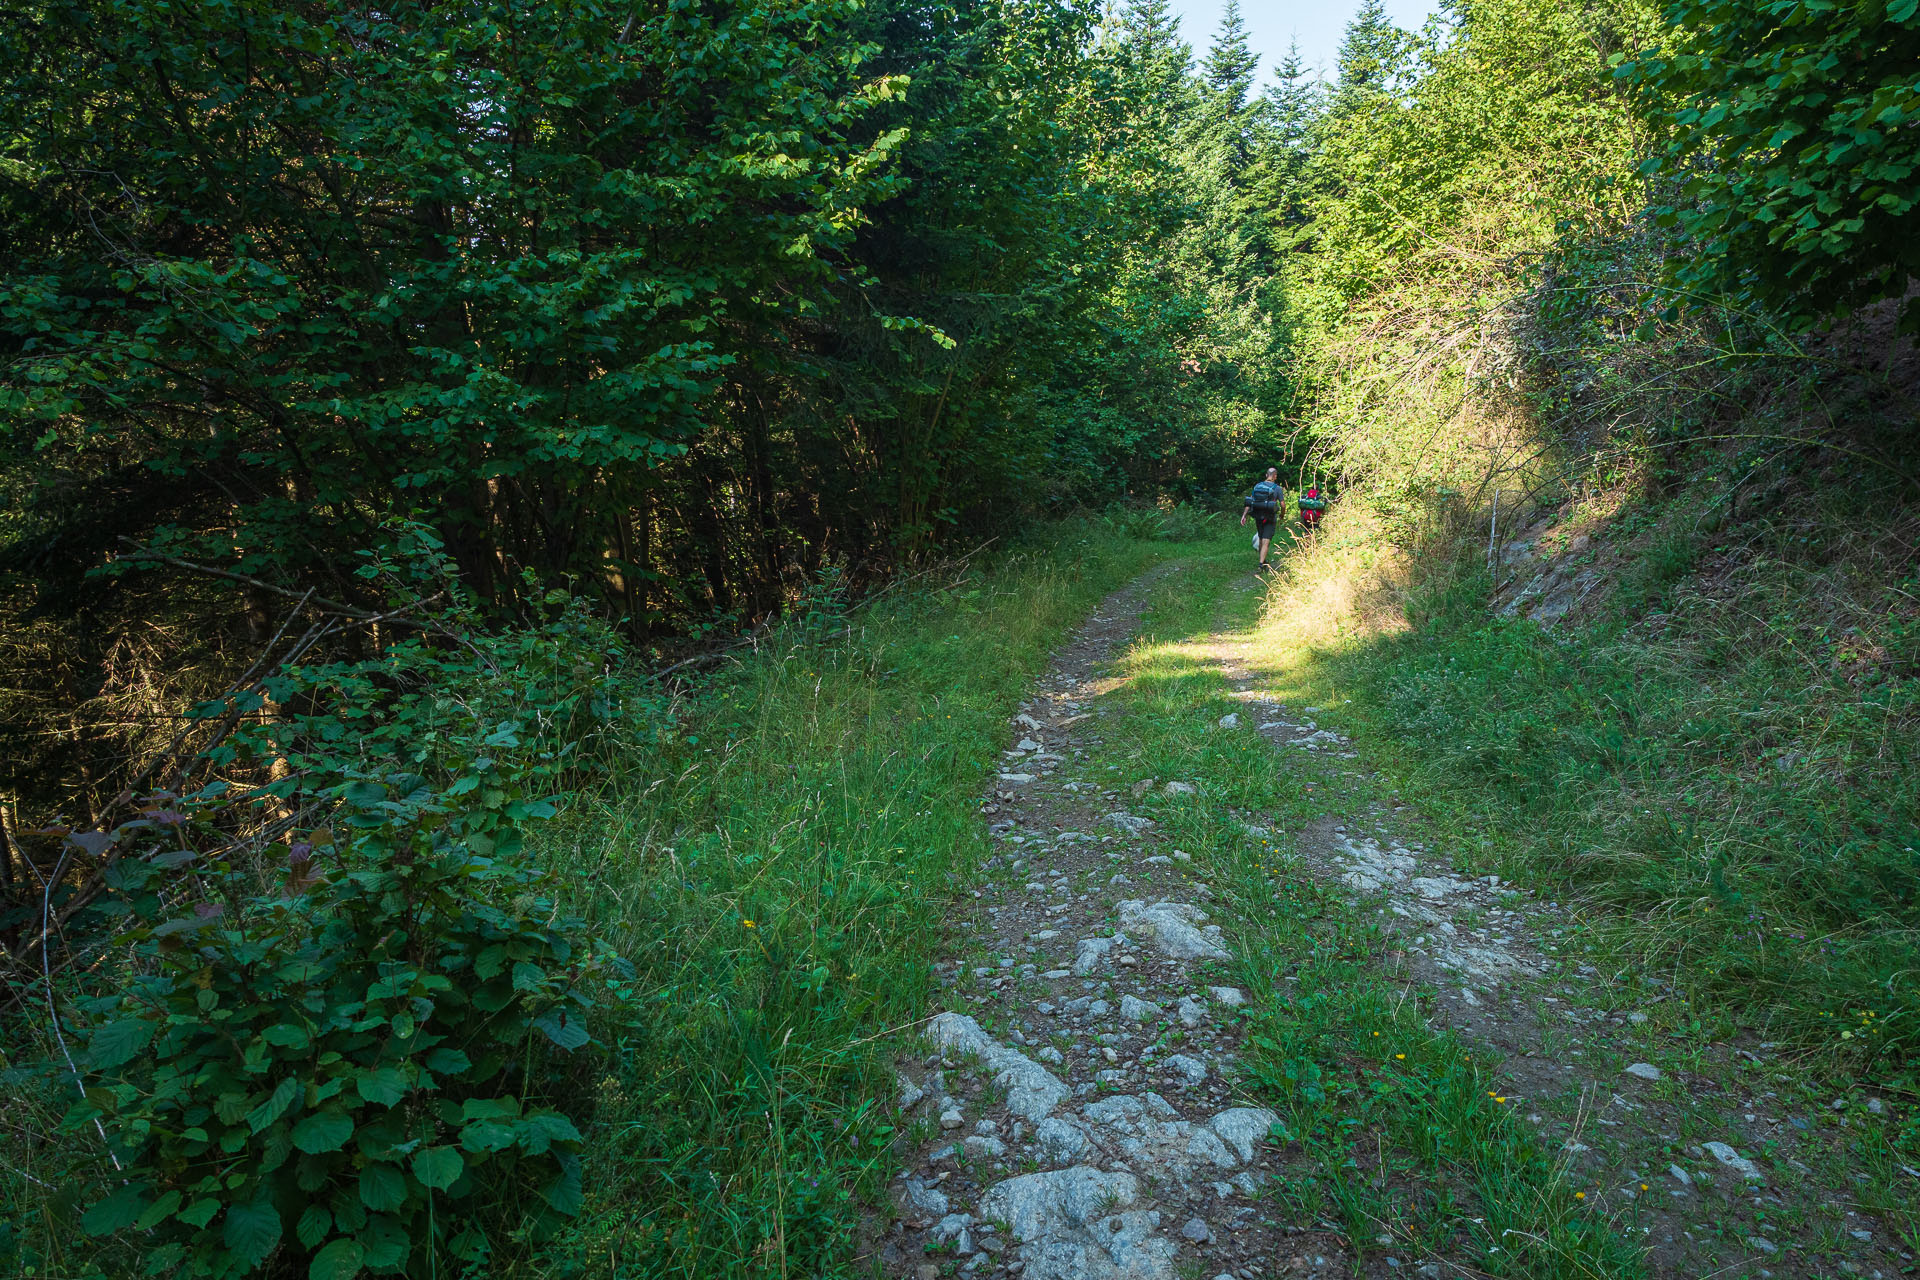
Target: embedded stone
(1191, 1070)
(1032, 1091)
(1733, 1160)
(1173, 927)
(1244, 1128)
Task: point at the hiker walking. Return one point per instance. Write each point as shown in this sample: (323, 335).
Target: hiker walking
(1312, 507)
(1264, 505)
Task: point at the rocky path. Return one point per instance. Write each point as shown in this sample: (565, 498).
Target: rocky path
(1080, 1117)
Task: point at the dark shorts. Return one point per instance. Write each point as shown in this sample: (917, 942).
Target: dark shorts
(1263, 525)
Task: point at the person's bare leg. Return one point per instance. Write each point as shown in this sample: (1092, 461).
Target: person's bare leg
(1264, 544)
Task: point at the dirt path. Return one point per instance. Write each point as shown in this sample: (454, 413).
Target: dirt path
(1082, 1116)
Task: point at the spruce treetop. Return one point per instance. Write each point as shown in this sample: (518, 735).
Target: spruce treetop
(1230, 64)
(1368, 50)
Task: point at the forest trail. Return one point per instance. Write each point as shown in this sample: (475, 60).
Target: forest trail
(1085, 1112)
(1129, 1150)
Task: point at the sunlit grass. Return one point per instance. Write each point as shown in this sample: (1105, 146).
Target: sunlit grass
(1729, 809)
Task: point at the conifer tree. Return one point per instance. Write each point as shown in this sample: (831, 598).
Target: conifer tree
(1289, 110)
(1369, 52)
(1150, 30)
(1292, 101)
(1230, 63)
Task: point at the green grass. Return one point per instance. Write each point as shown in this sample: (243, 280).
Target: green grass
(1643, 782)
(1400, 1143)
(1730, 792)
(780, 873)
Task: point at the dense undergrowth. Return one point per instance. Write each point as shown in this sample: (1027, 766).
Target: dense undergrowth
(1712, 754)
(1716, 744)
(1551, 393)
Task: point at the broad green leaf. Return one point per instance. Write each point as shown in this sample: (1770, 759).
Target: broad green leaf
(448, 1062)
(438, 1167)
(323, 1131)
(563, 1193)
(275, 1105)
(119, 1042)
(315, 1222)
(252, 1231)
(341, 1259)
(540, 1131)
(117, 1212)
(287, 1035)
(165, 1260)
(490, 961)
(385, 1241)
(382, 1187)
(487, 1135)
(382, 1085)
(159, 1211)
(569, 1032)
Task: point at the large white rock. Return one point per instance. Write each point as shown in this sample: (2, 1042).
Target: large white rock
(1244, 1128)
(1134, 1009)
(1127, 1112)
(1149, 1133)
(1068, 1227)
(1173, 927)
(1060, 1141)
(1371, 868)
(1123, 1246)
(1032, 1090)
(1041, 1204)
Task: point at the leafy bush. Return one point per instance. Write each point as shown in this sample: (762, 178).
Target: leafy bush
(336, 1070)
(339, 1047)
(1792, 133)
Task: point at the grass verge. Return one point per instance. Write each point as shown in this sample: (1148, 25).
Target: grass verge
(777, 871)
